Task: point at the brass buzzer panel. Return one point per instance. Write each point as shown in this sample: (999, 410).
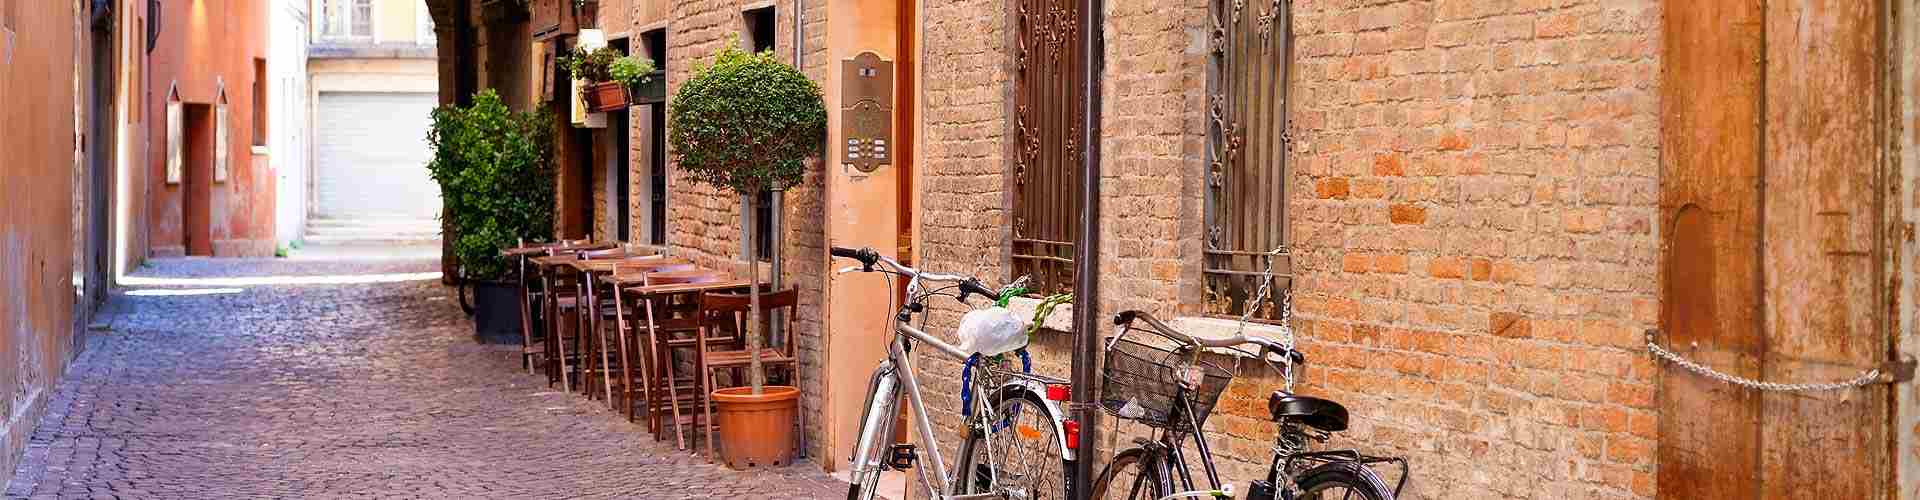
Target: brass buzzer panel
(866, 117)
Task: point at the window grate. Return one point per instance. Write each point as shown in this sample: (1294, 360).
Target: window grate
(1046, 164)
(1250, 49)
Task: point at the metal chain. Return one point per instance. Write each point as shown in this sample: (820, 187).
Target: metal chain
(1260, 301)
(1869, 377)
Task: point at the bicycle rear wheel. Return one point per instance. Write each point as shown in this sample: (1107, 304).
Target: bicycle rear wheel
(1342, 482)
(1129, 477)
(1023, 459)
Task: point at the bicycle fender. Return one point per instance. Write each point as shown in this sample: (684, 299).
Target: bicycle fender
(1037, 390)
(1365, 473)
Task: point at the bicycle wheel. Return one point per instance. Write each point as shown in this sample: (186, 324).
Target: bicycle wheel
(1342, 482)
(1129, 477)
(1023, 458)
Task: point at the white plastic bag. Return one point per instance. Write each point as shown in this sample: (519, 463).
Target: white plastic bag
(991, 331)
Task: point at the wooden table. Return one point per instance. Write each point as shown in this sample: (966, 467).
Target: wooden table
(520, 255)
(590, 320)
(635, 288)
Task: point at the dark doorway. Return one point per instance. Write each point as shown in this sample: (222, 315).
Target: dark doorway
(100, 154)
(655, 120)
(196, 199)
(759, 31)
(617, 165)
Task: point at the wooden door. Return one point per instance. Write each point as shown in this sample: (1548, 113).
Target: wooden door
(1774, 202)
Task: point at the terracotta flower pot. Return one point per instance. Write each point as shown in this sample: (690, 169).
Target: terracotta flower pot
(756, 430)
(606, 96)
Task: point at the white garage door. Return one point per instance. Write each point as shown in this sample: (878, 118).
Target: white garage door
(370, 156)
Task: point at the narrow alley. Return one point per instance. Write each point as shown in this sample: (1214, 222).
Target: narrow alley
(238, 378)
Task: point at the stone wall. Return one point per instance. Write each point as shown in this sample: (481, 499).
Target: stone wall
(1472, 199)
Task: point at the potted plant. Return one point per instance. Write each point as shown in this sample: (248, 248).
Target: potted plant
(496, 178)
(608, 75)
(748, 123)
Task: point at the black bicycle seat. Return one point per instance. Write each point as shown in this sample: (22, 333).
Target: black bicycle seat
(1315, 412)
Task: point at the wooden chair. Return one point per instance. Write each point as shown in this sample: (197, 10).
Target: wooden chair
(664, 319)
(587, 319)
(632, 335)
(724, 316)
(563, 300)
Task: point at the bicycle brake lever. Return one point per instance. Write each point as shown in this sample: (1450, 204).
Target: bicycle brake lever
(848, 269)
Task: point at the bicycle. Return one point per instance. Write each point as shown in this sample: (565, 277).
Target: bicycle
(1172, 391)
(1018, 445)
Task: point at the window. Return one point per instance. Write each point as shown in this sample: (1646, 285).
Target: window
(346, 18)
(759, 36)
(1046, 163)
(259, 102)
(423, 24)
(176, 137)
(221, 141)
(1247, 143)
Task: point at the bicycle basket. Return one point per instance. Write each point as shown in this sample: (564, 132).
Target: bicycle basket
(1141, 382)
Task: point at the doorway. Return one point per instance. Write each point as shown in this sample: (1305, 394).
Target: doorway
(100, 164)
(196, 195)
(1774, 207)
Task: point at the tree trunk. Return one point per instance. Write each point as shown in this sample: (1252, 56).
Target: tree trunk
(755, 372)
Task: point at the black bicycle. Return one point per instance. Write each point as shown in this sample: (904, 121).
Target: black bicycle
(1161, 381)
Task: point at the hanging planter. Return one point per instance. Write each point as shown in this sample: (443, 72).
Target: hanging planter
(609, 77)
(606, 96)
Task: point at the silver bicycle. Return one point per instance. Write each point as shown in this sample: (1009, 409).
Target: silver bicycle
(1017, 444)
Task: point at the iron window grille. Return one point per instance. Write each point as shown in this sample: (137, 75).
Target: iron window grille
(1250, 50)
(1048, 112)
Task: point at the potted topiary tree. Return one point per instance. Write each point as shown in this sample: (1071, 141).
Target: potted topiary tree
(497, 181)
(749, 123)
(609, 76)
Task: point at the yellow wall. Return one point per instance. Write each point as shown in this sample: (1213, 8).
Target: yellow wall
(394, 20)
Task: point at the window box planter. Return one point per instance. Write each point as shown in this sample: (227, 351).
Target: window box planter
(606, 96)
(654, 91)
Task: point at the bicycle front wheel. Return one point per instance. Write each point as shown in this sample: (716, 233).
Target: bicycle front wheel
(1342, 482)
(1129, 477)
(1021, 458)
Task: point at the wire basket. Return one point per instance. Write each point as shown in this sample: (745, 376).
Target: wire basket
(1142, 382)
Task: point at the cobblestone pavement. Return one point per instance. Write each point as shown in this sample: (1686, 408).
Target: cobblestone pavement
(337, 390)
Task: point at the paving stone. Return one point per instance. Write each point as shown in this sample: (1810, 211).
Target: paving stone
(338, 390)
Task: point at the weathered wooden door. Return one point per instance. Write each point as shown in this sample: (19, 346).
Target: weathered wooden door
(1776, 264)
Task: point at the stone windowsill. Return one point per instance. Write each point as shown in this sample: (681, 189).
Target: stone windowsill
(1199, 327)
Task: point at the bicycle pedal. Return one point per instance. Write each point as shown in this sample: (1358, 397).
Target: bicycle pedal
(902, 457)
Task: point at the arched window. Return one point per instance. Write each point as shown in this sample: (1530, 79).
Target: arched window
(176, 135)
(220, 135)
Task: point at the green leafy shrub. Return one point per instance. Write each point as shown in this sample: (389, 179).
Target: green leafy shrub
(495, 173)
(592, 65)
(748, 122)
(631, 71)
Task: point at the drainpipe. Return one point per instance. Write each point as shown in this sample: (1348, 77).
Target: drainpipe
(1086, 288)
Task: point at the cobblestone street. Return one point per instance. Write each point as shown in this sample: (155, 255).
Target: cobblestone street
(220, 387)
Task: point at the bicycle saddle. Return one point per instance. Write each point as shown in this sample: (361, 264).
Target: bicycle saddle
(1315, 412)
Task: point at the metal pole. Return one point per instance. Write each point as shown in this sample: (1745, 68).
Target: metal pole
(1086, 282)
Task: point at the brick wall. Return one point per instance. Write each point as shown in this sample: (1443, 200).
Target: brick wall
(1472, 200)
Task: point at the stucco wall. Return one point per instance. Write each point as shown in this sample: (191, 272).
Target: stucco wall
(39, 48)
(204, 47)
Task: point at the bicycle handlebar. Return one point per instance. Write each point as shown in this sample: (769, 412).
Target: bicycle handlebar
(1126, 319)
(868, 257)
